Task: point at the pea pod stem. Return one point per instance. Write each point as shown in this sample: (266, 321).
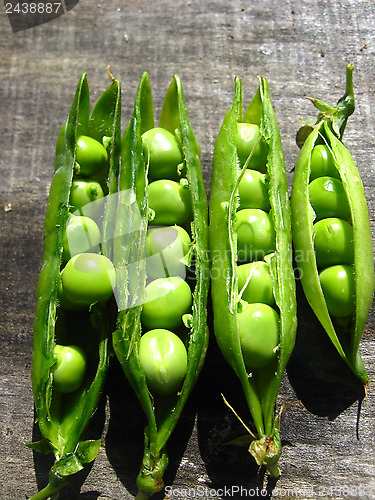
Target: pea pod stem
(47, 492)
(109, 73)
(337, 116)
(141, 495)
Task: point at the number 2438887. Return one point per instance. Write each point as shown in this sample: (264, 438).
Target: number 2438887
(34, 8)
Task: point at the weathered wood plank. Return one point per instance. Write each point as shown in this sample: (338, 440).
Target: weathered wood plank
(302, 49)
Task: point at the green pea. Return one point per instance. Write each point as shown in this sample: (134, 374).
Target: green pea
(339, 290)
(253, 191)
(166, 247)
(163, 358)
(258, 326)
(70, 368)
(260, 285)
(88, 278)
(65, 303)
(87, 197)
(164, 154)
(255, 234)
(171, 202)
(322, 163)
(248, 136)
(328, 198)
(167, 300)
(333, 242)
(91, 156)
(81, 235)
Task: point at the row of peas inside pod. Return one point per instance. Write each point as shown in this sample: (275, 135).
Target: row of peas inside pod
(258, 317)
(168, 295)
(253, 285)
(331, 230)
(332, 233)
(76, 284)
(161, 334)
(87, 276)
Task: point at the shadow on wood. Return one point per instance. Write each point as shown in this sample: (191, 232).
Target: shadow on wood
(319, 377)
(227, 466)
(125, 436)
(43, 463)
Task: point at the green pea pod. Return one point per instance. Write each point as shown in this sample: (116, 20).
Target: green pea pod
(328, 131)
(62, 418)
(130, 263)
(260, 386)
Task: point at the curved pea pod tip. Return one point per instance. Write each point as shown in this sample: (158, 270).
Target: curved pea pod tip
(345, 333)
(336, 115)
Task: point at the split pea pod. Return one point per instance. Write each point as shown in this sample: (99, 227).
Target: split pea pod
(75, 288)
(252, 279)
(161, 238)
(331, 231)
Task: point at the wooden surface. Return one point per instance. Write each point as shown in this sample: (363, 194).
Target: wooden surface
(302, 48)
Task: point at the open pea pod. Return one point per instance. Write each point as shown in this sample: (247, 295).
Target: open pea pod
(260, 385)
(62, 417)
(133, 219)
(344, 327)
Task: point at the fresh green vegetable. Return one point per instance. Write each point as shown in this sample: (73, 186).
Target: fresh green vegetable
(166, 248)
(258, 326)
(81, 235)
(91, 156)
(253, 335)
(87, 198)
(164, 154)
(249, 139)
(171, 202)
(64, 303)
(163, 359)
(322, 164)
(255, 283)
(88, 278)
(335, 294)
(70, 368)
(68, 358)
(338, 287)
(328, 199)
(140, 201)
(333, 242)
(253, 191)
(166, 301)
(255, 234)
(161, 238)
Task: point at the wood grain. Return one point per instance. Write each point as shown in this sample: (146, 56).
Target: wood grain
(302, 48)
